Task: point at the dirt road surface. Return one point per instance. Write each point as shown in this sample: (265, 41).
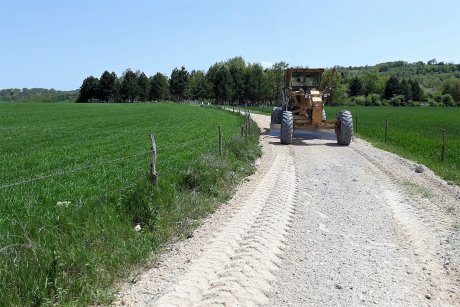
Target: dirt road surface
(318, 224)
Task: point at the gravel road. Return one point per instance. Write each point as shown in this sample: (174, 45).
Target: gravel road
(318, 224)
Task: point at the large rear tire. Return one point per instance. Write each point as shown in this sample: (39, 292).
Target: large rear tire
(287, 128)
(344, 130)
(277, 113)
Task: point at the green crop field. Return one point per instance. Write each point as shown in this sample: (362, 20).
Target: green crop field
(74, 184)
(413, 132)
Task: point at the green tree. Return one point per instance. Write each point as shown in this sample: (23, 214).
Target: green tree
(392, 88)
(256, 81)
(338, 84)
(88, 89)
(369, 83)
(237, 69)
(355, 87)
(276, 75)
(129, 86)
(178, 83)
(159, 88)
(452, 87)
(405, 90)
(107, 83)
(199, 87)
(144, 86)
(221, 82)
(417, 92)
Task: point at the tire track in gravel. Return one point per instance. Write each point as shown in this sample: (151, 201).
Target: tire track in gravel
(238, 263)
(425, 228)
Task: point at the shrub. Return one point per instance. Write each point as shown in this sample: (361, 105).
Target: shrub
(360, 100)
(448, 101)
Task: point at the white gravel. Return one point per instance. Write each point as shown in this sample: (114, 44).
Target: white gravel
(318, 224)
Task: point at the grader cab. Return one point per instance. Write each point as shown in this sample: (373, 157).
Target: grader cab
(303, 108)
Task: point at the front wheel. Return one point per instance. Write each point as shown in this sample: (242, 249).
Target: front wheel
(344, 130)
(287, 128)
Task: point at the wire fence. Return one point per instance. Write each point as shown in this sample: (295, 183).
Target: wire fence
(80, 168)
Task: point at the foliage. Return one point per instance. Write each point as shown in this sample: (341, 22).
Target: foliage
(37, 94)
(199, 87)
(159, 88)
(143, 87)
(89, 89)
(452, 87)
(107, 84)
(75, 183)
(178, 83)
(129, 86)
(236, 81)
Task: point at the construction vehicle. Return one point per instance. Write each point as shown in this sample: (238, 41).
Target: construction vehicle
(303, 108)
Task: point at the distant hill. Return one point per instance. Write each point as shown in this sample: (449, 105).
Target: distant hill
(430, 75)
(37, 95)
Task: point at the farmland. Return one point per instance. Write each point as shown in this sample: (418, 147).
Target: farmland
(413, 132)
(74, 183)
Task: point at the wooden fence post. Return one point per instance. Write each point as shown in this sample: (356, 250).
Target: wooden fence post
(249, 120)
(242, 130)
(443, 147)
(153, 162)
(356, 123)
(386, 129)
(219, 129)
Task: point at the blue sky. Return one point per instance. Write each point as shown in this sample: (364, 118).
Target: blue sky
(57, 43)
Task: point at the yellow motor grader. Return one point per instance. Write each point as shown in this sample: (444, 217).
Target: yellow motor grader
(303, 108)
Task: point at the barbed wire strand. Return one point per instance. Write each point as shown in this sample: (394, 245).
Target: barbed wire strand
(65, 172)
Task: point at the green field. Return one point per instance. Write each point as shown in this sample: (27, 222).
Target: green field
(413, 132)
(74, 183)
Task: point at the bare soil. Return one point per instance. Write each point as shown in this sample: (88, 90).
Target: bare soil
(318, 224)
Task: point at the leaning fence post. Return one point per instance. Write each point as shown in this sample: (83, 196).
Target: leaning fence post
(219, 129)
(153, 162)
(443, 147)
(386, 129)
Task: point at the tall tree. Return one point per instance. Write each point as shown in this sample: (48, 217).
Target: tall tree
(199, 87)
(158, 87)
(88, 89)
(107, 83)
(369, 83)
(337, 83)
(144, 86)
(355, 87)
(129, 86)
(237, 67)
(417, 92)
(392, 88)
(256, 83)
(277, 73)
(221, 81)
(405, 90)
(178, 83)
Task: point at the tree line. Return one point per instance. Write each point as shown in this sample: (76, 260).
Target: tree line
(237, 82)
(402, 83)
(234, 80)
(36, 94)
